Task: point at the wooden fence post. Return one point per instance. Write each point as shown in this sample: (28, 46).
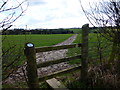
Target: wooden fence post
(31, 66)
(84, 53)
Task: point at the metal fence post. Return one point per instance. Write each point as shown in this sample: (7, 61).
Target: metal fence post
(30, 54)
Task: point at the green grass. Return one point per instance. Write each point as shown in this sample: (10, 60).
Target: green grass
(38, 40)
(10, 52)
(76, 30)
(48, 40)
(105, 46)
(93, 58)
(75, 51)
(93, 50)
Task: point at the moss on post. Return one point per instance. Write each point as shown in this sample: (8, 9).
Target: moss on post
(31, 66)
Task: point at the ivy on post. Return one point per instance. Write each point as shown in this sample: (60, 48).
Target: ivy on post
(30, 54)
(84, 53)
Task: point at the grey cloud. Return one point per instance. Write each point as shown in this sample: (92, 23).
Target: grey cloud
(31, 21)
(36, 2)
(48, 18)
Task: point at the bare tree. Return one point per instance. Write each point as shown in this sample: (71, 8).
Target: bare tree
(11, 13)
(106, 15)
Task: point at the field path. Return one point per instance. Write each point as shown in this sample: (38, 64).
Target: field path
(42, 57)
(53, 55)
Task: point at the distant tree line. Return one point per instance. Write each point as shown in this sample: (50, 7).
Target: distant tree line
(100, 29)
(18, 31)
(37, 31)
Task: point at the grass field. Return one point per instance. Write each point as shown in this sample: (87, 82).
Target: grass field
(13, 47)
(76, 30)
(48, 40)
(38, 40)
(93, 58)
(94, 54)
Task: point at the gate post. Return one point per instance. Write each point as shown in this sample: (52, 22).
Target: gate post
(30, 54)
(84, 53)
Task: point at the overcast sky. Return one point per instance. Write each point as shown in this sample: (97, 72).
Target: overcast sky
(52, 14)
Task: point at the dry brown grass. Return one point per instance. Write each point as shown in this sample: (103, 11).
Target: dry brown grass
(104, 76)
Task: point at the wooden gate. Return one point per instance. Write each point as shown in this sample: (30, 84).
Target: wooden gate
(30, 53)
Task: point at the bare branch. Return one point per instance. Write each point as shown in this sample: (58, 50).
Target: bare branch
(12, 8)
(106, 15)
(11, 17)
